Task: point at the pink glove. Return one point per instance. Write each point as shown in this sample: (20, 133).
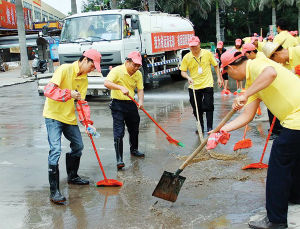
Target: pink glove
(215, 138)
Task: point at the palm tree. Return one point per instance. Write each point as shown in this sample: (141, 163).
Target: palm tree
(151, 4)
(220, 4)
(113, 4)
(188, 6)
(298, 6)
(73, 7)
(25, 68)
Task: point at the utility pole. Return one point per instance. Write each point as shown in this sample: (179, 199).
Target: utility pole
(73, 7)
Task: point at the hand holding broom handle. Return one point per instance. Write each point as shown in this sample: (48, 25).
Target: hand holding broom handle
(221, 124)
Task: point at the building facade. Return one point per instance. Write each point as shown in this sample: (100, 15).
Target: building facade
(40, 11)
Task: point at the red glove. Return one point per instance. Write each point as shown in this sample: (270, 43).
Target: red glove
(297, 69)
(86, 111)
(215, 138)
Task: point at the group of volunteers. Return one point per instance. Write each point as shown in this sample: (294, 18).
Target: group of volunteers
(271, 71)
(274, 84)
(69, 85)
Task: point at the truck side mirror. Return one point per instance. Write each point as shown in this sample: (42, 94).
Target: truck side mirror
(134, 24)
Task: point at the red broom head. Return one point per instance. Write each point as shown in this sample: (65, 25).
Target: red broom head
(109, 183)
(243, 144)
(172, 141)
(258, 165)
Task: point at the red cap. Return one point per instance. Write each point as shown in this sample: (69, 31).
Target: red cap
(136, 57)
(228, 57)
(248, 47)
(238, 41)
(220, 44)
(194, 41)
(95, 56)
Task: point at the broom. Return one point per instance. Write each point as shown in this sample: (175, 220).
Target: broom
(244, 143)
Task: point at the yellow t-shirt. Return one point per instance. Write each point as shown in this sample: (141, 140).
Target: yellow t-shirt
(247, 40)
(120, 76)
(294, 58)
(65, 77)
(282, 96)
(261, 45)
(290, 41)
(193, 64)
(260, 55)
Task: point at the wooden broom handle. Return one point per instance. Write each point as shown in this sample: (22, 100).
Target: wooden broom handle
(221, 124)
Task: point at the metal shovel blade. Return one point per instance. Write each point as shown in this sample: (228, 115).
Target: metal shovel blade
(168, 186)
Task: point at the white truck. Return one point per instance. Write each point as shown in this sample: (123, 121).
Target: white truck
(161, 38)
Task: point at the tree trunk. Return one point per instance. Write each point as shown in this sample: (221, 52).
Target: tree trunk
(218, 35)
(186, 10)
(151, 4)
(273, 15)
(73, 7)
(113, 4)
(298, 19)
(25, 68)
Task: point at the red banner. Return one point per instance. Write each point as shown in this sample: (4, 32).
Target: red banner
(170, 41)
(8, 18)
(38, 2)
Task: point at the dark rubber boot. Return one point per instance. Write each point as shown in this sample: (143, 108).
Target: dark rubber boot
(209, 120)
(119, 152)
(134, 144)
(72, 165)
(55, 195)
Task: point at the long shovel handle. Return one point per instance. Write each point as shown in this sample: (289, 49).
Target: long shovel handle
(149, 116)
(197, 112)
(221, 124)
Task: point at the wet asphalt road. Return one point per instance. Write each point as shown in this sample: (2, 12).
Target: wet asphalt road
(216, 193)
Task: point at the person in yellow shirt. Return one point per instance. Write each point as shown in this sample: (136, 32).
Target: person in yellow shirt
(278, 88)
(122, 81)
(251, 52)
(289, 57)
(198, 62)
(69, 83)
(284, 37)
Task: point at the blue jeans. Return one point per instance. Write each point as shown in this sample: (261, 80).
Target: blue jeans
(71, 132)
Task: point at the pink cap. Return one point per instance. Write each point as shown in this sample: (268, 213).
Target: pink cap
(248, 47)
(220, 44)
(270, 37)
(136, 57)
(296, 32)
(255, 34)
(292, 33)
(228, 57)
(254, 39)
(95, 56)
(238, 41)
(194, 41)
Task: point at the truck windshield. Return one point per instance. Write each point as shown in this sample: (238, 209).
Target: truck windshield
(92, 28)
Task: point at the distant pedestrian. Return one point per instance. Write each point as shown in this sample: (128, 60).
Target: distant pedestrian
(219, 51)
(284, 37)
(122, 81)
(198, 62)
(69, 83)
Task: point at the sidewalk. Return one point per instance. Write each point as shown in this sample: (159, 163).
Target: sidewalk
(13, 77)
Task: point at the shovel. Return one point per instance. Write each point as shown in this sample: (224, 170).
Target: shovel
(170, 184)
